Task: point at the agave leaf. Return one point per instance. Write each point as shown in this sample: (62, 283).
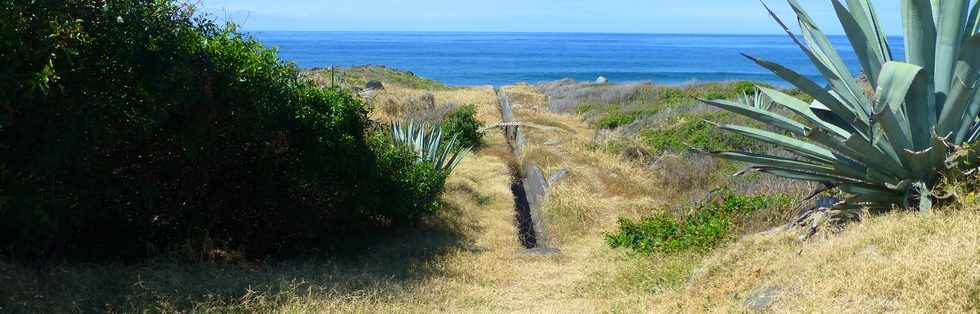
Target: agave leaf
(427, 143)
(803, 110)
(857, 119)
(760, 115)
(866, 194)
(897, 79)
(866, 36)
(821, 59)
(884, 159)
(830, 117)
(951, 17)
(962, 104)
(800, 175)
(789, 143)
(775, 161)
(920, 33)
(834, 68)
(909, 84)
(973, 21)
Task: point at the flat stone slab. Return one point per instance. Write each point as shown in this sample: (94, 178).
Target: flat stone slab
(541, 251)
(761, 300)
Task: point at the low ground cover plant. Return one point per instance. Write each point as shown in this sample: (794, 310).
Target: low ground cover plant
(701, 227)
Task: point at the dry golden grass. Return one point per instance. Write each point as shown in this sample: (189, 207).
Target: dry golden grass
(896, 263)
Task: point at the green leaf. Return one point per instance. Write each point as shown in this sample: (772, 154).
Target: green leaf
(803, 110)
(920, 33)
(786, 142)
(869, 40)
(760, 115)
(951, 18)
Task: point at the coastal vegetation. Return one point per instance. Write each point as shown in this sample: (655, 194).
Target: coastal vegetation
(890, 150)
(154, 161)
(134, 128)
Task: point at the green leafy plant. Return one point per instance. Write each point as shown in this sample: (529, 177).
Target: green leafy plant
(703, 228)
(427, 142)
(891, 149)
(462, 121)
(131, 127)
(616, 118)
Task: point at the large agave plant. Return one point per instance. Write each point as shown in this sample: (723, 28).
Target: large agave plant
(428, 145)
(885, 150)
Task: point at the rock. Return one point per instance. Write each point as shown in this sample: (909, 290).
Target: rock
(696, 274)
(552, 142)
(761, 300)
(601, 80)
(558, 175)
(541, 251)
(374, 85)
(636, 153)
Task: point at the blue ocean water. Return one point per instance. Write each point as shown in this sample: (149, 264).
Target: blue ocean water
(505, 58)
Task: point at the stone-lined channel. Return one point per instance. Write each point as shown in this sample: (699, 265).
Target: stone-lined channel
(529, 185)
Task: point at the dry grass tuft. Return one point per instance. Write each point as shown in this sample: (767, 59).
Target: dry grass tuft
(897, 263)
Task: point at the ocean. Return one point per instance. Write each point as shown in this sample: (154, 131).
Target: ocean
(465, 59)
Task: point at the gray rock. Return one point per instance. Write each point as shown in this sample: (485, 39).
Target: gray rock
(601, 80)
(761, 300)
(374, 85)
(541, 251)
(558, 175)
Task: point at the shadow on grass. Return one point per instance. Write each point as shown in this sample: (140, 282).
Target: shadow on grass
(383, 266)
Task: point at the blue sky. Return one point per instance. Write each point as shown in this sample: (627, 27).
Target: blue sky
(617, 16)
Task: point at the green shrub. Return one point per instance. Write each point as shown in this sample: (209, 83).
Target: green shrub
(407, 189)
(616, 118)
(133, 127)
(702, 229)
(694, 131)
(462, 122)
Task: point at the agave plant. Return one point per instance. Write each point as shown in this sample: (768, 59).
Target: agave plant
(758, 100)
(428, 145)
(888, 150)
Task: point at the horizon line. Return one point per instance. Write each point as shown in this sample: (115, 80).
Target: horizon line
(532, 32)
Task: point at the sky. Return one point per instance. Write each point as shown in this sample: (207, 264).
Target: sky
(598, 16)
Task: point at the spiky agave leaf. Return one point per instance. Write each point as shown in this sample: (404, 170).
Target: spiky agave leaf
(885, 151)
(757, 100)
(427, 142)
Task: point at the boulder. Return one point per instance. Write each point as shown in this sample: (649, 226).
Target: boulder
(374, 85)
(601, 80)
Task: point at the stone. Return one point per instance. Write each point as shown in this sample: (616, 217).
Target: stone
(601, 80)
(761, 300)
(541, 251)
(558, 175)
(374, 85)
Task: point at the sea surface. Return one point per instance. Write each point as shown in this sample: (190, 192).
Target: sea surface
(504, 58)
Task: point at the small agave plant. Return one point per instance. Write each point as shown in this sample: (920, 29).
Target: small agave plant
(891, 149)
(428, 145)
(757, 100)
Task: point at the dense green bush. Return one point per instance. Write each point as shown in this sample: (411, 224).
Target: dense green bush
(462, 122)
(132, 127)
(694, 131)
(701, 229)
(616, 118)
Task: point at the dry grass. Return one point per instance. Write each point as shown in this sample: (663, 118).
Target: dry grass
(568, 95)
(897, 263)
